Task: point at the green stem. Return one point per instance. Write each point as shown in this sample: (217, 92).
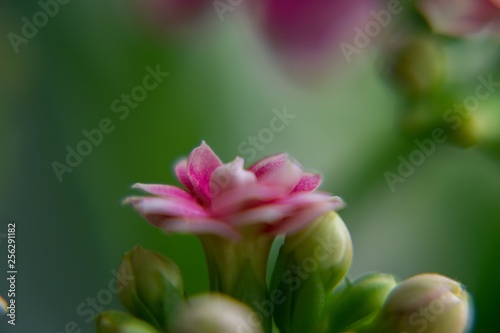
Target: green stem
(238, 269)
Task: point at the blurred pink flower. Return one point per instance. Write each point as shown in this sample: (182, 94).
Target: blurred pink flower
(460, 17)
(305, 32)
(274, 193)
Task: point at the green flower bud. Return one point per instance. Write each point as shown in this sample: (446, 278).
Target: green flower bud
(357, 303)
(310, 264)
(489, 121)
(468, 134)
(216, 313)
(417, 64)
(426, 302)
(156, 292)
(325, 246)
(119, 322)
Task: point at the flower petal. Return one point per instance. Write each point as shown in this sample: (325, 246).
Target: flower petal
(239, 198)
(302, 218)
(286, 177)
(274, 192)
(198, 226)
(182, 174)
(166, 207)
(308, 183)
(268, 164)
(201, 164)
(230, 176)
(165, 191)
(269, 213)
(302, 199)
(458, 18)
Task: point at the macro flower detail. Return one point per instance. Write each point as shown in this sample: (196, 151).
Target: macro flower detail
(274, 194)
(426, 302)
(213, 313)
(236, 213)
(317, 258)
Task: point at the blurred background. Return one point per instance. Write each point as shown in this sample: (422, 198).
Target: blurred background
(357, 111)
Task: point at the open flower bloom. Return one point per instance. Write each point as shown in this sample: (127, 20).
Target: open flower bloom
(460, 17)
(274, 194)
(236, 213)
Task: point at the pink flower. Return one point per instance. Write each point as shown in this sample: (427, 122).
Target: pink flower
(274, 194)
(460, 17)
(304, 33)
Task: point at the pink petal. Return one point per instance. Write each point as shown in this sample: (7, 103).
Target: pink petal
(460, 17)
(337, 203)
(308, 183)
(286, 177)
(182, 174)
(165, 191)
(268, 164)
(230, 176)
(302, 199)
(201, 164)
(300, 219)
(233, 200)
(305, 33)
(263, 214)
(198, 226)
(167, 207)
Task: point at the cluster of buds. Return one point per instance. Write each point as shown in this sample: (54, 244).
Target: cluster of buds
(426, 302)
(423, 60)
(237, 214)
(156, 302)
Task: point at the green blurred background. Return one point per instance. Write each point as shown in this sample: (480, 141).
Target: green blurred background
(222, 88)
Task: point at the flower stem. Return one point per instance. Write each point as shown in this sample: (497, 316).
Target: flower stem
(238, 269)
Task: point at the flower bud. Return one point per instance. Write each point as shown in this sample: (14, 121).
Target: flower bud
(357, 303)
(417, 64)
(488, 120)
(310, 264)
(325, 246)
(216, 313)
(426, 302)
(156, 291)
(119, 322)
